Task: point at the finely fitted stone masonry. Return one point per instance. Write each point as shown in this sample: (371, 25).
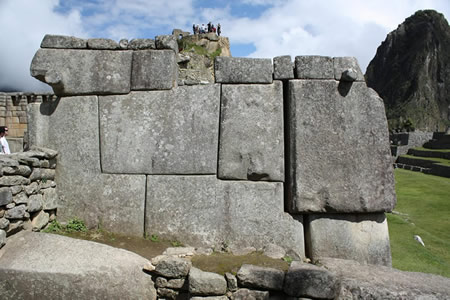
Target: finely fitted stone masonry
(243, 163)
(251, 132)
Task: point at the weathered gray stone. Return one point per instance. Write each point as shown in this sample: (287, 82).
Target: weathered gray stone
(254, 216)
(201, 210)
(283, 67)
(35, 203)
(10, 205)
(349, 75)
(2, 212)
(314, 67)
(274, 251)
(264, 278)
(4, 222)
(161, 132)
(32, 188)
(26, 159)
(13, 180)
(123, 44)
(48, 153)
(6, 161)
(83, 72)
(361, 281)
(337, 178)
(173, 267)
(19, 170)
(251, 142)
(142, 44)
(342, 64)
(17, 212)
(42, 174)
(78, 175)
(167, 42)
(306, 280)
(177, 283)
(243, 70)
(63, 41)
(206, 283)
(5, 196)
(2, 238)
(16, 189)
(184, 208)
(245, 294)
(154, 70)
(165, 293)
(75, 269)
(47, 184)
(40, 220)
(102, 44)
(362, 237)
(232, 283)
(14, 226)
(49, 199)
(20, 198)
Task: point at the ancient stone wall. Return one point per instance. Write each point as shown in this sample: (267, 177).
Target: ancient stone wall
(28, 198)
(293, 154)
(13, 113)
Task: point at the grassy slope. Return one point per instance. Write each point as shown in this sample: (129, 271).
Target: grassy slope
(425, 202)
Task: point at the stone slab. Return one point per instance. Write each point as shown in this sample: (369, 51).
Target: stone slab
(251, 145)
(362, 237)
(48, 266)
(204, 211)
(341, 64)
(63, 41)
(184, 208)
(314, 67)
(83, 72)
(353, 173)
(112, 201)
(283, 67)
(361, 281)
(154, 70)
(243, 70)
(161, 132)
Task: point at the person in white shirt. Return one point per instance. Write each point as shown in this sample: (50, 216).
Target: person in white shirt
(3, 141)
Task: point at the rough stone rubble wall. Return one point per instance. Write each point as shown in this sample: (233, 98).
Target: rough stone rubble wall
(290, 154)
(28, 198)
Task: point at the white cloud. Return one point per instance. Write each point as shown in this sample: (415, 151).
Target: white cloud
(24, 24)
(332, 28)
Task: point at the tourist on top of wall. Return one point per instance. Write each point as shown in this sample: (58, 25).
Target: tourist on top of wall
(3, 142)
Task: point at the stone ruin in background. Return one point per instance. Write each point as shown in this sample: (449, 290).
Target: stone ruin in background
(292, 154)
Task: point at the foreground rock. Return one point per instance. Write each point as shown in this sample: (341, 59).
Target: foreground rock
(46, 266)
(377, 282)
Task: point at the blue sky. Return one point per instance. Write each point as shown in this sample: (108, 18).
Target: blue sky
(256, 28)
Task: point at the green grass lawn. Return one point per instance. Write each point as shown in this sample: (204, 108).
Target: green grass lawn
(423, 206)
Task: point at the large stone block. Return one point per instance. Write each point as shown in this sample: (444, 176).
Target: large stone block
(255, 217)
(362, 237)
(161, 132)
(63, 41)
(115, 202)
(314, 67)
(243, 70)
(202, 210)
(339, 149)
(251, 132)
(184, 208)
(283, 68)
(341, 64)
(154, 70)
(49, 266)
(83, 72)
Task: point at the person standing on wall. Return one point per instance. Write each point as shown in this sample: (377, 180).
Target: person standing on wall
(3, 142)
(219, 29)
